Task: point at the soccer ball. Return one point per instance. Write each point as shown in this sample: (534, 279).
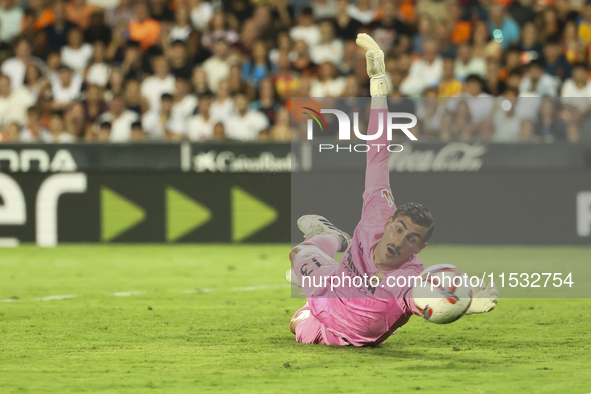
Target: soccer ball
(437, 298)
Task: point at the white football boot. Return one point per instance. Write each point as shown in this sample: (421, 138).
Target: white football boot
(317, 225)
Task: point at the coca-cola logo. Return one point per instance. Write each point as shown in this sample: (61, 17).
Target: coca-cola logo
(455, 156)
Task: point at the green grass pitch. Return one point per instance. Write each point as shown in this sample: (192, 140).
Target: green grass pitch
(214, 318)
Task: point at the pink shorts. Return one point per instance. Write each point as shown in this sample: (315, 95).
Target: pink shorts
(312, 331)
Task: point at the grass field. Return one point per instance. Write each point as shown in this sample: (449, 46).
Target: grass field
(215, 318)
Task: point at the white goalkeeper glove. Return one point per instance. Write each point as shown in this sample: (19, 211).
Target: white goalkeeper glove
(484, 299)
(376, 68)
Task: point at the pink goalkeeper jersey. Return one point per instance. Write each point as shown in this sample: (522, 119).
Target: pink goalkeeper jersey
(368, 315)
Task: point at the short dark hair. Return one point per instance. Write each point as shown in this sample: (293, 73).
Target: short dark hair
(535, 63)
(419, 214)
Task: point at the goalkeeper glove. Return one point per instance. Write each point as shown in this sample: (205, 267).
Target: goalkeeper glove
(376, 68)
(484, 299)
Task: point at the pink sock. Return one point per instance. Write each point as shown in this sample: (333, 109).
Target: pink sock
(328, 243)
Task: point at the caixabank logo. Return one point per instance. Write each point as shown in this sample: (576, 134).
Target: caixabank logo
(387, 122)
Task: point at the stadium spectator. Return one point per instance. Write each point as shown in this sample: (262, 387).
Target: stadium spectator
(137, 132)
(555, 63)
(217, 67)
(122, 14)
(79, 12)
(346, 28)
(76, 54)
(501, 26)
(573, 48)
(180, 65)
(132, 96)
(223, 105)
(303, 64)
(34, 130)
(306, 29)
(481, 40)
(143, 28)
(449, 85)
(389, 29)
(530, 47)
(424, 72)
(98, 30)
(329, 49)
(522, 11)
(199, 82)
(182, 25)
(160, 11)
(219, 29)
(161, 123)
(324, 9)
(57, 31)
(13, 103)
(184, 103)
(442, 37)
(537, 82)
(362, 10)
(492, 83)
(328, 83)
(11, 16)
(119, 120)
(245, 124)
(201, 13)
(75, 121)
(461, 30)
(467, 64)
(257, 66)
(200, 126)
(549, 126)
(15, 67)
(507, 123)
(94, 104)
(426, 27)
(430, 112)
(267, 102)
(98, 71)
(66, 86)
(576, 91)
(153, 87)
(34, 80)
(58, 130)
(219, 132)
(285, 81)
(549, 27)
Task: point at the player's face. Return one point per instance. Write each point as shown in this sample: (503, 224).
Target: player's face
(402, 238)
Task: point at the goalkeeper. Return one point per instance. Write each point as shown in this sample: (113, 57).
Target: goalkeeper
(386, 242)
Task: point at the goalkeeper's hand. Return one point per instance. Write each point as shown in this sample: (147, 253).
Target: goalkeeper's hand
(376, 67)
(484, 299)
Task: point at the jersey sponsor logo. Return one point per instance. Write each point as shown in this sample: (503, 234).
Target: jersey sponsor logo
(387, 194)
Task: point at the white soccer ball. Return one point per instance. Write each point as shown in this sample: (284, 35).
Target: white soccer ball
(443, 296)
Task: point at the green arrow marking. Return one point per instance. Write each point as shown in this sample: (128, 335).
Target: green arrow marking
(249, 214)
(118, 214)
(183, 214)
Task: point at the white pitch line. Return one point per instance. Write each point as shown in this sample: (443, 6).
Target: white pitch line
(248, 288)
(55, 297)
(132, 293)
(127, 293)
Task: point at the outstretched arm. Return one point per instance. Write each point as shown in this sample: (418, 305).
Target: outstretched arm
(376, 173)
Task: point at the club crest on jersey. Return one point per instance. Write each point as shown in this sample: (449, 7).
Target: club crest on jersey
(387, 194)
(308, 255)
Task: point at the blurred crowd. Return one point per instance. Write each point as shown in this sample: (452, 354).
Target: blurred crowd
(126, 70)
